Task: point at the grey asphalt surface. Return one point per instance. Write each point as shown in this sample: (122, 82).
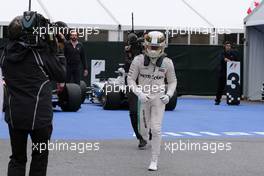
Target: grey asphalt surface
(122, 158)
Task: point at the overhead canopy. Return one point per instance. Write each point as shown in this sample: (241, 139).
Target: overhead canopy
(254, 54)
(152, 14)
(76, 13)
(181, 13)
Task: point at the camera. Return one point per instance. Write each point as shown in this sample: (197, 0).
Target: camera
(37, 31)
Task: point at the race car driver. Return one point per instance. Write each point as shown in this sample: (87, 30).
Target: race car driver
(151, 69)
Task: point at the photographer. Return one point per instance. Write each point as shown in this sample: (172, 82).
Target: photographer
(132, 49)
(28, 70)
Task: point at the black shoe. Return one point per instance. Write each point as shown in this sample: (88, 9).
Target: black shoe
(217, 103)
(142, 144)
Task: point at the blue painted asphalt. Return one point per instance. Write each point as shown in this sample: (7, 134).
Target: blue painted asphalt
(191, 115)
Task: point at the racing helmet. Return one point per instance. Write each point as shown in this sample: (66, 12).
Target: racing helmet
(154, 43)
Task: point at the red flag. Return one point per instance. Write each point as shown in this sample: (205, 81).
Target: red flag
(249, 11)
(253, 5)
(256, 4)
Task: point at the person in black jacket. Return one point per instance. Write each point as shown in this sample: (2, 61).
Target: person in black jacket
(132, 49)
(75, 55)
(27, 74)
(225, 56)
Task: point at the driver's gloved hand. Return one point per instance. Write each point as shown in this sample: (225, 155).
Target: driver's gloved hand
(144, 98)
(165, 99)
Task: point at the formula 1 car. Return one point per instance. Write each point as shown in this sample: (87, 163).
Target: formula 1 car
(111, 93)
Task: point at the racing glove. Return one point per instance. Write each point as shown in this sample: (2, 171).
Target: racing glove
(165, 99)
(144, 98)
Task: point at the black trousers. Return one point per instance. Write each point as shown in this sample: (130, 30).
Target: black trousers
(73, 74)
(133, 113)
(18, 159)
(221, 87)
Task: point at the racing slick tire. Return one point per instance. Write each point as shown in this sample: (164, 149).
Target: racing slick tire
(70, 98)
(111, 99)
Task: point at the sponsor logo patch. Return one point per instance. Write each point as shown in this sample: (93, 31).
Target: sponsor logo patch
(161, 69)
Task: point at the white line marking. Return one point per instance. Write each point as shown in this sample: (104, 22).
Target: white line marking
(203, 133)
(210, 133)
(191, 133)
(259, 132)
(237, 134)
(172, 134)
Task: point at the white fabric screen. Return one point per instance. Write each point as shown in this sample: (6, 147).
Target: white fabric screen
(255, 62)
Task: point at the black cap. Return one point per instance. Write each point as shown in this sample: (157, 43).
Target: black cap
(15, 28)
(132, 38)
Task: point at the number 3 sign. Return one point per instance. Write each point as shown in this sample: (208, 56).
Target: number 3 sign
(233, 83)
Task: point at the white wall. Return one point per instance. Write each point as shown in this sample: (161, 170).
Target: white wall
(1, 31)
(254, 63)
(114, 36)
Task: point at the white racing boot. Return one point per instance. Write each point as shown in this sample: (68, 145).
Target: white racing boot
(153, 164)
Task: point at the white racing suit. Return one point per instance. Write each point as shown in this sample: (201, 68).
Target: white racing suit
(151, 81)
